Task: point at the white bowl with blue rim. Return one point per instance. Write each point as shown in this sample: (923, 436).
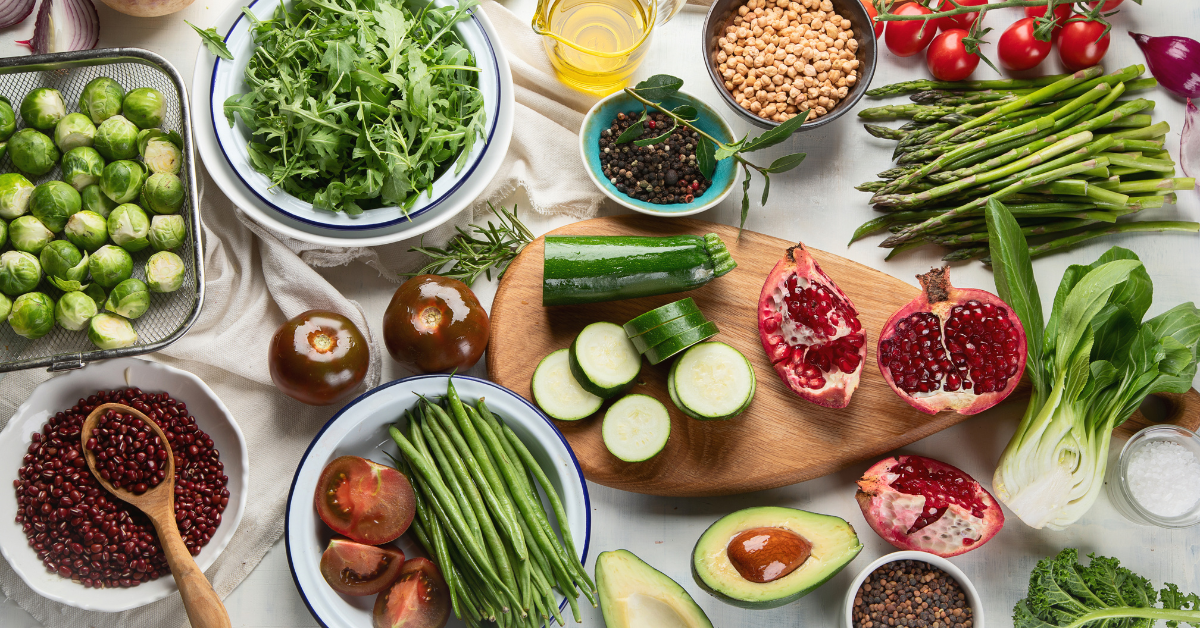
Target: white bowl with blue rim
(600, 117)
(361, 429)
(224, 149)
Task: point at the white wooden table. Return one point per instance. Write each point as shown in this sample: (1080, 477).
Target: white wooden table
(815, 203)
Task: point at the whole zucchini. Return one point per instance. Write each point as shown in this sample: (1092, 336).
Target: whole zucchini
(591, 269)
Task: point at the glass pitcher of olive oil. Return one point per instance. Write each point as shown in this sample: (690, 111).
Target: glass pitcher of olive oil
(596, 44)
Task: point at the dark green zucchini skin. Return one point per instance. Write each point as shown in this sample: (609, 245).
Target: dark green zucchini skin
(592, 269)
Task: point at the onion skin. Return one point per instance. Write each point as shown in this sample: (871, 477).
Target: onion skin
(1174, 61)
(16, 12)
(147, 8)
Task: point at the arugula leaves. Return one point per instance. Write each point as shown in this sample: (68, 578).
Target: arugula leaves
(359, 104)
(212, 40)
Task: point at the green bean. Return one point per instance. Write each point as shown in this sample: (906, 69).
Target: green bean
(456, 489)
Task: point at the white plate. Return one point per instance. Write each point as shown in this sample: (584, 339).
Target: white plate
(360, 429)
(60, 393)
(223, 148)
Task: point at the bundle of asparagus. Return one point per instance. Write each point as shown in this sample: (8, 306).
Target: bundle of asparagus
(1069, 157)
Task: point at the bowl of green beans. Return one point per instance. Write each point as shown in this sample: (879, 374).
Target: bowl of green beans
(537, 495)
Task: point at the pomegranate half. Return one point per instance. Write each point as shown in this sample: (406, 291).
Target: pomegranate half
(952, 348)
(918, 503)
(810, 331)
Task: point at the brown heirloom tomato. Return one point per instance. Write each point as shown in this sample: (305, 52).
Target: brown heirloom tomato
(419, 599)
(356, 569)
(435, 324)
(318, 357)
(364, 500)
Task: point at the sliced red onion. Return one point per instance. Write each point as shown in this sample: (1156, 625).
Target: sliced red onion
(1189, 145)
(63, 26)
(13, 12)
(1174, 61)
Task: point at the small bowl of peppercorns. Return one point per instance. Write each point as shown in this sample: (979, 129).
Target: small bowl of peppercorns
(661, 178)
(914, 589)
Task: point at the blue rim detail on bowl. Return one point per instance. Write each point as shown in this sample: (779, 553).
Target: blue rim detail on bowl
(715, 126)
(492, 123)
(287, 541)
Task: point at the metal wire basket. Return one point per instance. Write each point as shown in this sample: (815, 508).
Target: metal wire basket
(170, 315)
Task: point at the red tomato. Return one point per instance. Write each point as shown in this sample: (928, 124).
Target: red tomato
(1108, 6)
(435, 324)
(909, 37)
(1061, 12)
(948, 59)
(1078, 46)
(870, 7)
(318, 357)
(364, 500)
(1018, 49)
(962, 20)
(356, 569)
(419, 599)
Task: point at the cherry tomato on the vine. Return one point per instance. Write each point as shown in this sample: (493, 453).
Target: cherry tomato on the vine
(1081, 46)
(962, 20)
(1018, 49)
(318, 357)
(948, 59)
(1108, 6)
(909, 37)
(1061, 12)
(870, 7)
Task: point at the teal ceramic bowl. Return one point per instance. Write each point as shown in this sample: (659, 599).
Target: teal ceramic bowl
(601, 116)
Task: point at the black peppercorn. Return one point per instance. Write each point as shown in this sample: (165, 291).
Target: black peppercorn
(652, 173)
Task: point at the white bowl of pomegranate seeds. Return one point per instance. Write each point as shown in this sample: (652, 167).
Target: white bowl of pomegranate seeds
(103, 553)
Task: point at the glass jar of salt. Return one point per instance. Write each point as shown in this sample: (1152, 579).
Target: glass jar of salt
(1156, 480)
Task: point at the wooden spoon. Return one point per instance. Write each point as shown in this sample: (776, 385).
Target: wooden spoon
(204, 607)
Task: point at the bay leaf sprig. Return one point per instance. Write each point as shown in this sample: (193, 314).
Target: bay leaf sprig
(478, 251)
(709, 150)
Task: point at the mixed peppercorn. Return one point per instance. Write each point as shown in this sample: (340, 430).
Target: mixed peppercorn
(913, 594)
(662, 173)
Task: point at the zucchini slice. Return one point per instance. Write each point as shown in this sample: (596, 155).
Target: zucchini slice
(642, 342)
(636, 428)
(679, 342)
(661, 315)
(712, 381)
(603, 360)
(675, 397)
(556, 391)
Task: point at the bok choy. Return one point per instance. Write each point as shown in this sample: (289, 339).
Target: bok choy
(1091, 366)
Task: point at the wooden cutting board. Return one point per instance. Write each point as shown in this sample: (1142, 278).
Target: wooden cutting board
(781, 439)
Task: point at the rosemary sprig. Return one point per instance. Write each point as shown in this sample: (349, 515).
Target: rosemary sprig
(468, 255)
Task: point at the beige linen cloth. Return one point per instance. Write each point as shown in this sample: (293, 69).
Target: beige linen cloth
(256, 280)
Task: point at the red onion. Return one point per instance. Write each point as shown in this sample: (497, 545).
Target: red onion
(1189, 145)
(13, 12)
(1174, 61)
(69, 25)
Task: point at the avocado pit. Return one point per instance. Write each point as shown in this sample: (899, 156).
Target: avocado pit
(767, 554)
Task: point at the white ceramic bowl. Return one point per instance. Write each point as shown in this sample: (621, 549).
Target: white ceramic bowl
(936, 561)
(360, 429)
(223, 148)
(60, 393)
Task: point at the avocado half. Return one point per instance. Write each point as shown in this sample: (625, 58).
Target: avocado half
(636, 595)
(834, 545)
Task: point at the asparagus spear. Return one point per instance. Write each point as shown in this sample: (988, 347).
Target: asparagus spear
(982, 236)
(1145, 226)
(885, 133)
(908, 87)
(892, 112)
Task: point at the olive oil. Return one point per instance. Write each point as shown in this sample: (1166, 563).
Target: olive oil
(596, 44)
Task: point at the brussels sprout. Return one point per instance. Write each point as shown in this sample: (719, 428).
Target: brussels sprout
(122, 180)
(87, 230)
(8, 120)
(167, 232)
(116, 138)
(63, 260)
(32, 315)
(33, 152)
(164, 272)
(130, 298)
(110, 265)
(96, 292)
(109, 331)
(128, 227)
(42, 108)
(82, 167)
(14, 195)
(162, 155)
(53, 203)
(28, 234)
(144, 107)
(94, 200)
(101, 99)
(5, 307)
(162, 193)
(4, 233)
(73, 131)
(74, 310)
(20, 272)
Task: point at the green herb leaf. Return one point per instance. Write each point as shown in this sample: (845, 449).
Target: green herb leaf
(775, 135)
(1016, 285)
(338, 59)
(725, 151)
(766, 188)
(212, 40)
(704, 158)
(785, 163)
(659, 87)
(243, 105)
(651, 141)
(634, 130)
(687, 112)
(745, 198)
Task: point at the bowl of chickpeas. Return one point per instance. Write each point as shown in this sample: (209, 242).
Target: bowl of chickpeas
(772, 60)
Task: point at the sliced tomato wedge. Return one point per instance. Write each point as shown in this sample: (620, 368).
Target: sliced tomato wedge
(419, 599)
(364, 500)
(355, 569)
